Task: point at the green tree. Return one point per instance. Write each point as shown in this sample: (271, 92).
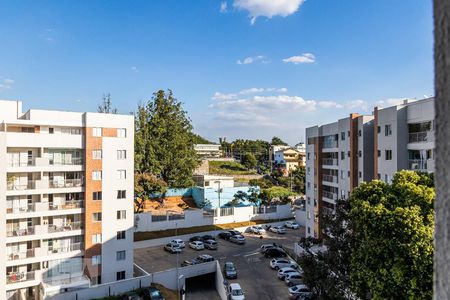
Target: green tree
(277, 141)
(105, 106)
(197, 139)
(392, 256)
(276, 192)
(249, 161)
(298, 177)
(253, 195)
(164, 143)
(147, 186)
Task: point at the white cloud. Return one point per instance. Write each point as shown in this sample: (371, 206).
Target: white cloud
(252, 91)
(329, 104)
(282, 90)
(305, 58)
(391, 102)
(6, 84)
(268, 8)
(223, 97)
(223, 7)
(356, 105)
(250, 60)
(134, 69)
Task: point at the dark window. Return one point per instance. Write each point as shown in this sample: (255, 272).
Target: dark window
(348, 153)
(379, 153)
(387, 130)
(51, 130)
(359, 153)
(343, 136)
(388, 154)
(120, 275)
(121, 235)
(121, 194)
(378, 129)
(348, 133)
(97, 195)
(359, 174)
(342, 155)
(359, 133)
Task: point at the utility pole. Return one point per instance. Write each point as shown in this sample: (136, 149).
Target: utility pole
(219, 190)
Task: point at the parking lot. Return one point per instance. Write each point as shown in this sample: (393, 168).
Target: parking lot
(255, 276)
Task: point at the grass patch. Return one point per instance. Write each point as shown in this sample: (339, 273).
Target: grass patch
(149, 235)
(228, 168)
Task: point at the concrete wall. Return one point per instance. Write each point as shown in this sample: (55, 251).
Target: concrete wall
(192, 218)
(300, 217)
(220, 287)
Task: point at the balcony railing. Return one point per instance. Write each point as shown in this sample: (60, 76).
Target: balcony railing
(21, 255)
(30, 161)
(419, 137)
(65, 249)
(15, 277)
(330, 161)
(67, 183)
(417, 164)
(43, 206)
(16, 231)
(66, 227)
(66, 162)
(29, 185)
(330, 178)
(67, 205)
(329, 195)
(44, 184)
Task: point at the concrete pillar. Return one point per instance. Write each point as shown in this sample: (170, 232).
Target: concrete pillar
(442, 108)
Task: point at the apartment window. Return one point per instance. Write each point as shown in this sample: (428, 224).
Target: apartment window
(121, 154)
(51, 130)
(96, 175)
(348, 153)
(387, 130)
(96, 238)
(96, 260)
(96, 154)
(315, 203)
(121, 214)
(348, 133)
(343, 194)
(359, 133)
(379, 153)
(121, 194)
(309, 170)
(378, 129)
(309, 201)
(308, 155)
(388, 154)
(308, 215)
(121, 174)
(96, 131)
(342, 174)
(97, 195)
(348, 174)
(120, 275)
(97, 217)
(120, 255)
(359, 174)
(343, 136)
(121, 132)
(429, 154)
(121, 235)
(379, 176)
(308, 184)
(359, 153)
(309, 230)
(342, 155)
(96, 280)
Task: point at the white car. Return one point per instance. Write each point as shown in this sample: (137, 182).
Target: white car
(278, 229)
(284, 271)
(235, 292)
(292, 279)
(291, 224)
(278, 263)
(298, 290)
(197, 245)
(178, 242)
(257, 230)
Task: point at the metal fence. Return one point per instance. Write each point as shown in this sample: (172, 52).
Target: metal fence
(159, 218)
(173, 217)
(226, 211)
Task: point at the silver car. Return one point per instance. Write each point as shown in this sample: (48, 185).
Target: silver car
(211, 244)
(237, 239)
(292, 279)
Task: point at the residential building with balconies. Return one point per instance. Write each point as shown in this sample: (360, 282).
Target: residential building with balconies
(338, 157)
(66, 200)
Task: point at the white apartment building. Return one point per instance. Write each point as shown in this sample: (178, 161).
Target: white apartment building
(339, 155)
(66, 200)
(404, 138)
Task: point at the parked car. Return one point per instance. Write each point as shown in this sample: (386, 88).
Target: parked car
(235, 292)
(178, 242)
(225, 235)
(205, 258)
(195, 238)
(299, 291)
(197, 245)
(305, 296)
(292, 279)
(172, 248)
(237, 239)
(274, 252)
(152, 293)
(234, 232)
(229, 270)
(291, 224)
(278, 229)
(211, 244)
(278, 263)
(264, 247)
(190, 262)
(257, 229)
(284, 271)
(207, 237)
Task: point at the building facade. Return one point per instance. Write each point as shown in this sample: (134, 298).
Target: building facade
(289, 159)
(66, 185)
(338, 156)
(359, 148)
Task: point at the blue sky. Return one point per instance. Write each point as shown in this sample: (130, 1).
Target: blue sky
(243, 68)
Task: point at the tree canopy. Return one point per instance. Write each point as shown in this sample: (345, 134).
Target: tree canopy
(105, 106)
(145, 186)
(197, 139)
(164, 143)
(277, 141)
(249, 161)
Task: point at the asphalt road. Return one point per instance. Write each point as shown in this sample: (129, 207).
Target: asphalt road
(255, 276)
